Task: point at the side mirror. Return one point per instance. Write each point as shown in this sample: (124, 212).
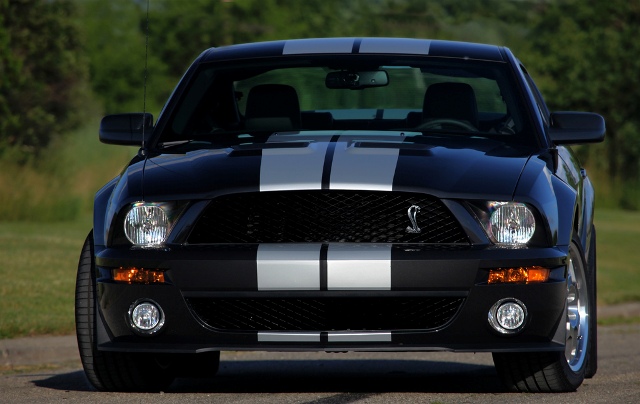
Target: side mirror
(126, 129)
(576, 127)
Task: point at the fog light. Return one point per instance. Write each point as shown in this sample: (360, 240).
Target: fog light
(146, 317)
(508, 316)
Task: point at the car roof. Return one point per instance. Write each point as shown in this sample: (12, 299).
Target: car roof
(361, 46)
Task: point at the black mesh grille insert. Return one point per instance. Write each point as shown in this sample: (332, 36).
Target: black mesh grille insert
(325, 216)
(325, 314)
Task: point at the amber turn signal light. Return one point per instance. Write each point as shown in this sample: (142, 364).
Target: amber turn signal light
(533, 274)
(137, 275)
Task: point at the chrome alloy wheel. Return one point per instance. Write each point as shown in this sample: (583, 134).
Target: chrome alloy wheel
(577, 313)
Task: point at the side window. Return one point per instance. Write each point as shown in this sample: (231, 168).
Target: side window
(544, 111)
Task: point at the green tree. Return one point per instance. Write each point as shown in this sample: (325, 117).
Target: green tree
(586, 58)
(488, 21)
(42, 73)
(114, 38)
(180, 30)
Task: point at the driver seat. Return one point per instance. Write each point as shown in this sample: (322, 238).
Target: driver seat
(450, 101)
(272, 107)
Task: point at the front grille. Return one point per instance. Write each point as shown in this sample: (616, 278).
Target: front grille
(325, 314)
(325, 217)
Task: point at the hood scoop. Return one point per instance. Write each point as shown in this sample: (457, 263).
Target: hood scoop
(407, 148)
(256, 149)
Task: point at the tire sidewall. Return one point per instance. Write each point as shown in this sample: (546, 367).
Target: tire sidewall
(575, 378)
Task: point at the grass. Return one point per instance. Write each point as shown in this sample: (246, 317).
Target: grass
(43, 222)
(39, 262)
(618, 256)
(9, 370)
(618, 320)
(59, 184)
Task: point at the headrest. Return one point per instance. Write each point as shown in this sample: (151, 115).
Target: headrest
(273, 104)
(450, 101)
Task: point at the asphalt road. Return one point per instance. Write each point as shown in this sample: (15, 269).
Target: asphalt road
(259, 377)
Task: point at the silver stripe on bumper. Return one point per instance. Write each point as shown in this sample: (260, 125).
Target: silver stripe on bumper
(359, 267)
(360, 337)
(349, 267)
(332, 337)
(289, 266)
(288, 336)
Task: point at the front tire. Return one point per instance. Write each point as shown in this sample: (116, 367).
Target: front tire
(592, 359)
(110, 371)
(555, 372)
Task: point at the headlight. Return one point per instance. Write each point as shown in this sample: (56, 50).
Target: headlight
(508, 224)
(146, 224)
(512, 223)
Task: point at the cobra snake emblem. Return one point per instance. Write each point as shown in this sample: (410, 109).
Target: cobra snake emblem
(412, 212)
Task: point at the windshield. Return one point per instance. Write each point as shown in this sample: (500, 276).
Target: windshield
(418, 95)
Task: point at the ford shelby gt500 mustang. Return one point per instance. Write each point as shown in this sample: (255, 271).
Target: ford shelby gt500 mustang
(344, 194)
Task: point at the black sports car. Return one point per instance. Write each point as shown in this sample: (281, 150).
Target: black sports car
(344, 194)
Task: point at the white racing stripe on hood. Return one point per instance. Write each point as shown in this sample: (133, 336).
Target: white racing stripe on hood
(292, 168)
(363, 168)
(353, 165)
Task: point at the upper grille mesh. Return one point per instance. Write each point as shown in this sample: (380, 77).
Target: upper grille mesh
(325, 216)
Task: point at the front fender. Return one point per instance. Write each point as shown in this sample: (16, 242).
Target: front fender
(100, 206)
(555, 200)
(122, 190)
(588, 213)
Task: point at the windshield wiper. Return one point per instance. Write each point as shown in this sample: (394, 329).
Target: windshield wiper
(175, 143)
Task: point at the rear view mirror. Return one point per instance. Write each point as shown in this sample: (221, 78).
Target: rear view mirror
(356, 80)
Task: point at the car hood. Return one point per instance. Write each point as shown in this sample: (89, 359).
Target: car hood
(444, 166)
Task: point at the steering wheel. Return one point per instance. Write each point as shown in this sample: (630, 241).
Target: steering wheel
(441, 123)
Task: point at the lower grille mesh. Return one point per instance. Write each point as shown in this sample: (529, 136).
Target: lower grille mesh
(325, 314)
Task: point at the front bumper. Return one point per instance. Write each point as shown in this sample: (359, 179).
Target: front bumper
(345, 274)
